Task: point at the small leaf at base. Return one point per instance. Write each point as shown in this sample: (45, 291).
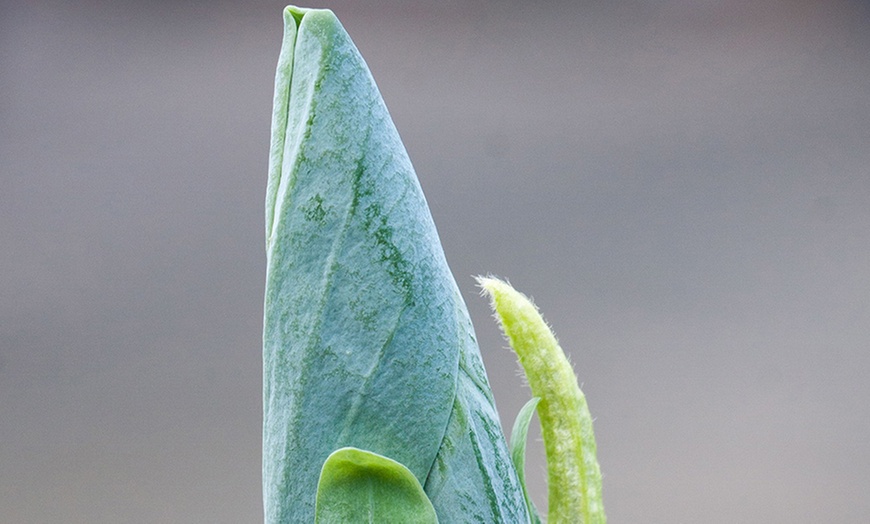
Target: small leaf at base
(358, 486)
(519, 436)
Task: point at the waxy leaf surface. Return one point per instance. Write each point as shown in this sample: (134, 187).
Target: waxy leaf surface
(359, 487)
(367, 341)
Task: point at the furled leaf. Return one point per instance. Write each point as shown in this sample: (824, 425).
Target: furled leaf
(519, 436)
(359, 487)
(573, 475)
(367, 341)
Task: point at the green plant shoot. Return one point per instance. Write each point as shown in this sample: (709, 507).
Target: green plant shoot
(376, 405)
(573, 475)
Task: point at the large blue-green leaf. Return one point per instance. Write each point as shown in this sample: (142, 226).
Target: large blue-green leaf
(360, 487)
(367, 342)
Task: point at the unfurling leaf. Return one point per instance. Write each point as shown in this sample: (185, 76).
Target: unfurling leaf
(360, 487)
(519, 436)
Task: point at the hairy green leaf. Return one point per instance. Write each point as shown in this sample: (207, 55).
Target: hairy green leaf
(357, 486)
(573, 475)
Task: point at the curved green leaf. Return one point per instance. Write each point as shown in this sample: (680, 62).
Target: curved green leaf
(519, 436)
(367, 341)
(357, 486)
(573, 475)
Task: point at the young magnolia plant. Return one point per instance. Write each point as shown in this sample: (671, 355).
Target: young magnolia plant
(377, 407)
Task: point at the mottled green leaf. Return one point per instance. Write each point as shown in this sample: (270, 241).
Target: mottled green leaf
(357, 486)
(367, 341)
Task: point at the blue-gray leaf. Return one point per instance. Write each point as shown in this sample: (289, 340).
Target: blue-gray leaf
(367, 342)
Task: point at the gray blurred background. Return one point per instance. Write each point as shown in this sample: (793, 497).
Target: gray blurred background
(682, 186)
